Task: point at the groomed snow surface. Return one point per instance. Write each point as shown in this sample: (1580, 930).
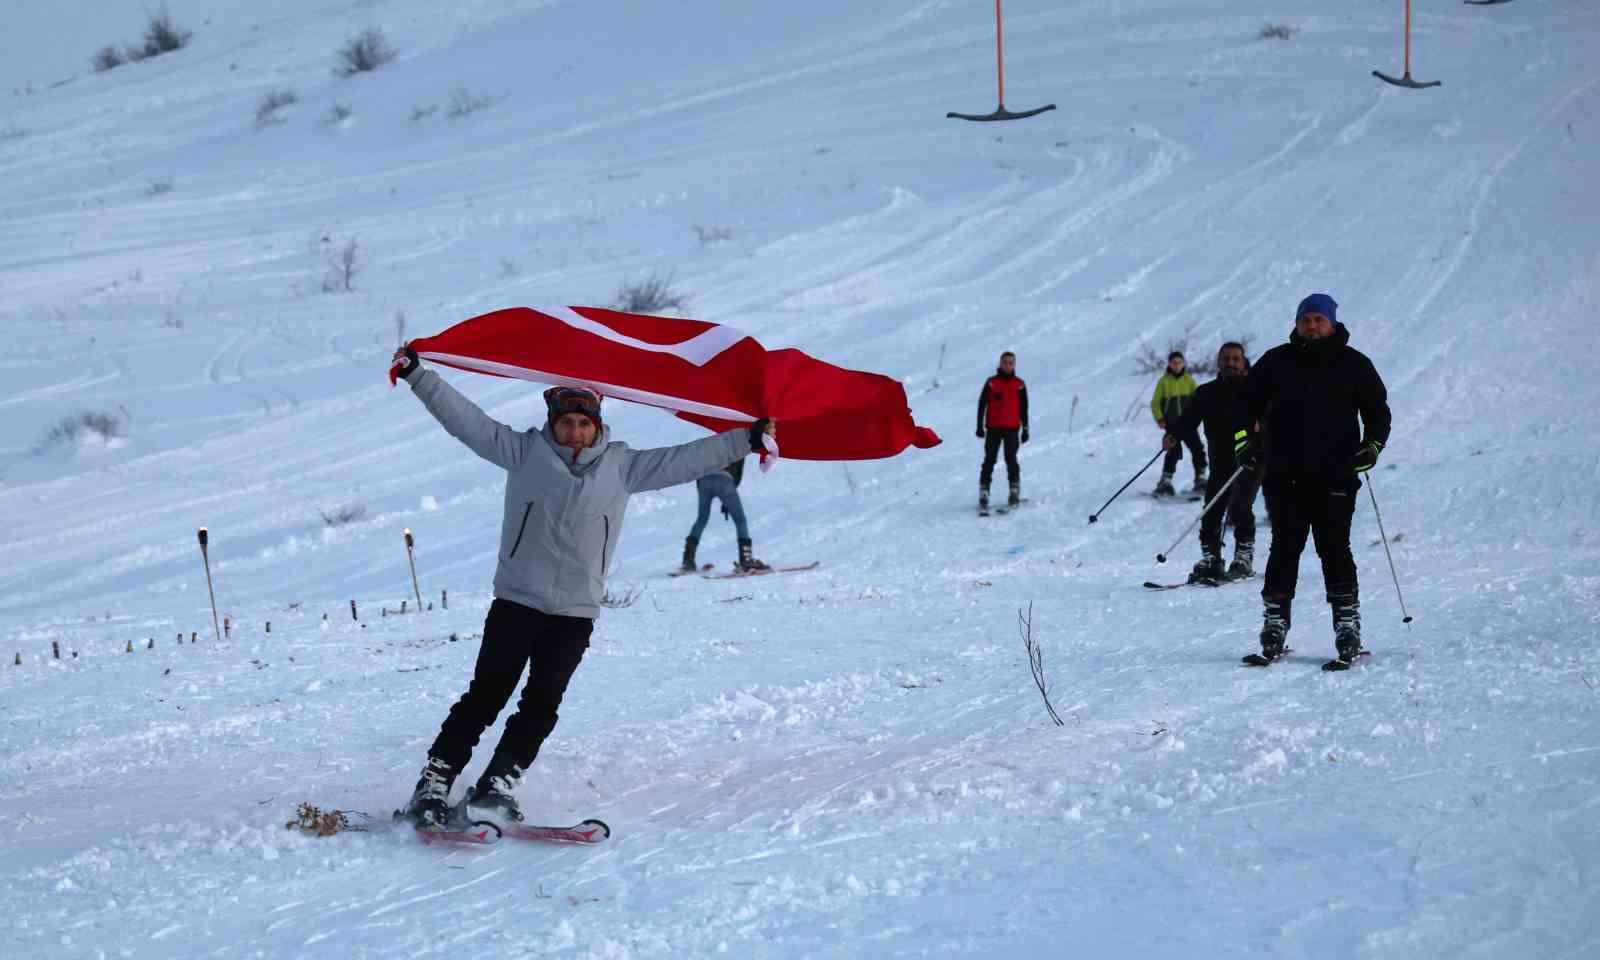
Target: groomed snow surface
(853, 761)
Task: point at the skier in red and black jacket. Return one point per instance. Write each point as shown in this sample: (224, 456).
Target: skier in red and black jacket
(1002, 421)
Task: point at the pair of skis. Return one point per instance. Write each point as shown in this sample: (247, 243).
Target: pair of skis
(1336, 664)
(1197, 582)
(706, 574)
(1002, 510)
(481, 832)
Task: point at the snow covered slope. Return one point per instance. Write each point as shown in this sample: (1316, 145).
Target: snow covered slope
(851, 761)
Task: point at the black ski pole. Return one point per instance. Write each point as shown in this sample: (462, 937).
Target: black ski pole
(205, 558)
(1096, 515)
(1162, 557)
(1404, 617)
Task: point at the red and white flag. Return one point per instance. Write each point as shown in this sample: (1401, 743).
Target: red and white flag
(708, 374)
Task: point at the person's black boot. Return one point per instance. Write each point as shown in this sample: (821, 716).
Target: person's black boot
(493, 798)
(1345, 602)
(747, 561)
(1015, 496)
(1243, 565)
(1209, 569)
(689, 545)
(429, 806)
(983, 498)
(1274, 626)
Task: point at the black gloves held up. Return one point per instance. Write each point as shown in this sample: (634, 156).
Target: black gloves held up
(406, 363)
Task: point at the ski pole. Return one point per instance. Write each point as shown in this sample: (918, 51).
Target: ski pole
(413, 561)
(1162, 557)
(206, 559)
(1096, 515)
(1404, 617)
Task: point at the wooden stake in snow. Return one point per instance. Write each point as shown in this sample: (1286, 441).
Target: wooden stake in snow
(269, 626)
(411, 558)
(227, 626)
(55, 649)
(353, 611)
(444, 599)
(151, 645)
(19, 658)
(205, 558)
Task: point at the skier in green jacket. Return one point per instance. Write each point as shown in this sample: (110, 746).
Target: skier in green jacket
(1174, 393)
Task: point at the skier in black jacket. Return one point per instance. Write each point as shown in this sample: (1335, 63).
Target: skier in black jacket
(1306, 396)
(1220, 406)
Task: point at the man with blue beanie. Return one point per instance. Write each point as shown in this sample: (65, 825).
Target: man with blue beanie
(1316, 418)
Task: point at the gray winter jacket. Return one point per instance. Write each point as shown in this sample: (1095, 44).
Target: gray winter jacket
(563, 519)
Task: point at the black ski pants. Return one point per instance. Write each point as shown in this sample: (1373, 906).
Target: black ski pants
(1238, 508)
(1197, 452)
(1297, 508)
(994, 438)
(514, 635)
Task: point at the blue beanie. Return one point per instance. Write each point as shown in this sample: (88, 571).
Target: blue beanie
(1318, 303)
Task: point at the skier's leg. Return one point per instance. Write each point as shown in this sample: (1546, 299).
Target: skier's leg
(735, 508)
(1169, 466)
(1210, 564)
(1331, 532)
(991, 452)
(557, 648)
(501, 657)
(704, 489)
(1290, 527)
(1013, 467)
(1197, 452)
(1242, 516)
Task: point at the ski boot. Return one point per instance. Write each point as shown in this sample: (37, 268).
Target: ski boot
(1209, 569)
(983, 499)
(1274, 630)
(429, 807)
(491, 798)
(1346, 607)
(1199, 488)
(689, 544)
(1164, 486)
(1015, 496)
(1242, 567)
(747, 562)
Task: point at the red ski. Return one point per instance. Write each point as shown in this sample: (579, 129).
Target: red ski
(589, 831)
(761, 573)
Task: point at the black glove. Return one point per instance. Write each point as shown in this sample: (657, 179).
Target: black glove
(1246, 452)
(757, 431)
(1367, 457)
(1024, 434)
(980, 433)
(406, 362)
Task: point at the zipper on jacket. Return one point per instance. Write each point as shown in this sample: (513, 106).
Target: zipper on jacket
(520, 530)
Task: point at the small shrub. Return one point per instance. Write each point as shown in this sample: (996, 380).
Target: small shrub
(422, 113)
(1149, 361)
(267, 111)
(651, 295)
(1278, 31)
(339, 113)
(710, 235)
(508, 267)
(107, 59)
(463, 102)
(158, 186)
(87, 427)
(363, 53)
(12, 132)
(342, 514)
(161, 35)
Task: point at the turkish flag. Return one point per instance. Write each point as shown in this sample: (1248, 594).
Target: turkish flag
(706, 373)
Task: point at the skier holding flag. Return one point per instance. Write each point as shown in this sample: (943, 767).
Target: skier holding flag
(567, 487)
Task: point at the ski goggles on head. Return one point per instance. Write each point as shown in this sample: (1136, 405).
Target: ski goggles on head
(559, 400)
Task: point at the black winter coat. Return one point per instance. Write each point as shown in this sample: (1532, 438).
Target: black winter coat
(1307, 395)
(1217, 407)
